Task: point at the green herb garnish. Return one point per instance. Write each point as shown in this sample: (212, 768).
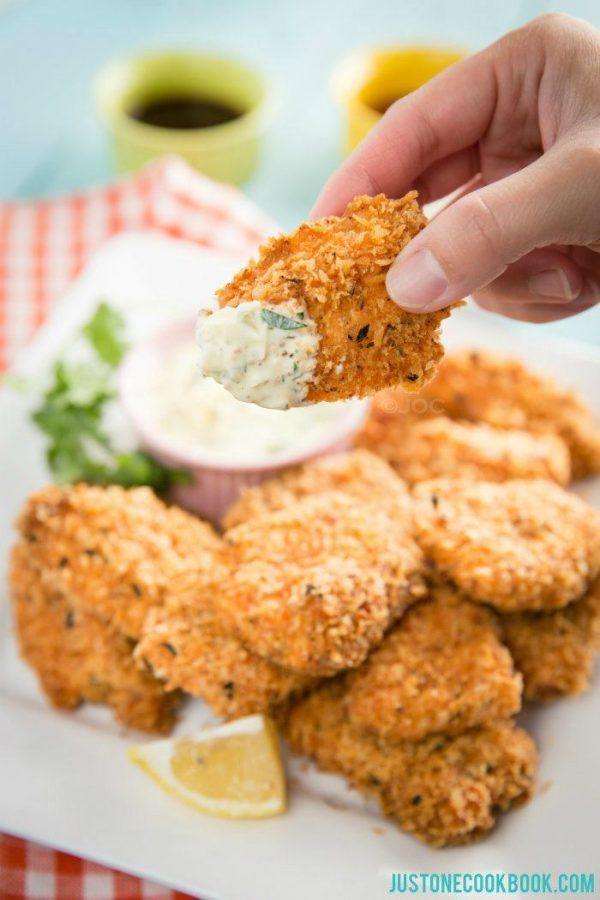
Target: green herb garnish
(71, 416)
(276, 320)
(106, 333)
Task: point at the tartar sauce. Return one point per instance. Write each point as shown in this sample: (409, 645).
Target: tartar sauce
(262, 354)
(198, 416)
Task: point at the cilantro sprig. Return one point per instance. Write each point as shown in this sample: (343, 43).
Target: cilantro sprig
(106, 333)
(73, 409)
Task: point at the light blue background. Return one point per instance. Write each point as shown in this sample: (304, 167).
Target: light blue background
(51, 141)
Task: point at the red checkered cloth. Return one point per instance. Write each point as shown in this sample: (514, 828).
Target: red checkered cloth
(43, 245)
(38, 873)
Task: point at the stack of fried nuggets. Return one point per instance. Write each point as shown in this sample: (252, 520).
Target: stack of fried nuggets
(485, 417)
(425, 723)
(246, 620)
(392, 632)
(90, 564)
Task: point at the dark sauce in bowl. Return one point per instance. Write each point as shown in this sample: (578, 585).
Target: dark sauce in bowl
(183, 113)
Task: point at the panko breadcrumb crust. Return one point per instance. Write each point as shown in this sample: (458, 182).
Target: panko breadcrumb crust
(336, 267)
(442, 669)
(79, 658)
(420, 449)
(318, 573)
(315, 586)
(112, 551)
(187, 647)
(500, 390)
(359, 474)
(556, 651)
(520, 545)
(444, 790)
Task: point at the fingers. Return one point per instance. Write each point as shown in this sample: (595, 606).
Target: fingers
(444, 117)
(445, 176)
(544, 286)
(541, 313)
(542, 277)
(489, 91)
(555, 200)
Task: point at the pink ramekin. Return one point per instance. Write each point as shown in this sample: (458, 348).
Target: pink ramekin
(214, 486)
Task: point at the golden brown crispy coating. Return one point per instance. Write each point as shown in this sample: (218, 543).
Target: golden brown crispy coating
(335, 268)
(442, 668)
(443, 790)
(439, 447)
(556, 651)
(187, 647)
(112, 551)
(359, 474)
(502, 391)
(315, 586)
(78, 658)
(520, 545)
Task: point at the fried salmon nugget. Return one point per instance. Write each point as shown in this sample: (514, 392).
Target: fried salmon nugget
(443, 790)
(311, 319)
(315, 586)
(487, 387)
(442, 668)
(113, 551)
(185, 645)
(79, 658)
(442, 448)
(359, 474)
(556, 651)
(519, 545)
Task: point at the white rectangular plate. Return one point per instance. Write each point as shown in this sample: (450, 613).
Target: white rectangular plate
(64, 778)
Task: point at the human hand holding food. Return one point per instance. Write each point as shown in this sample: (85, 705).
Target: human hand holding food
(522, 118)
(311, 320)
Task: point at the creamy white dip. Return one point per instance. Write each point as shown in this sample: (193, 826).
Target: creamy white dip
(262, 354)
(195, 415)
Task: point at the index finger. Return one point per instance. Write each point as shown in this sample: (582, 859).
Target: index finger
(446, 115)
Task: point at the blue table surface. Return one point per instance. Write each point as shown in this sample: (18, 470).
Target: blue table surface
(50, 50)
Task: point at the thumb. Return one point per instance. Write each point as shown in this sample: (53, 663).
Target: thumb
(555, 200)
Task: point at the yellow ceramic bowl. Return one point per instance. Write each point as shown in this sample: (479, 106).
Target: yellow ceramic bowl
(227, 152)
(367, 82)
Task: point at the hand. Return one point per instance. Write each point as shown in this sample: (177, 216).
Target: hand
(519, 122)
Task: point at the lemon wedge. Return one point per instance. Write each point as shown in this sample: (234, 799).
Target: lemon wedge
(232, 770)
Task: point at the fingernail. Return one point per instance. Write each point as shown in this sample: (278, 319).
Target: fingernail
(552, 283)
(417, 281)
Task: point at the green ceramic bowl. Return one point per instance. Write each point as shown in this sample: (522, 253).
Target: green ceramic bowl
(228, 152)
